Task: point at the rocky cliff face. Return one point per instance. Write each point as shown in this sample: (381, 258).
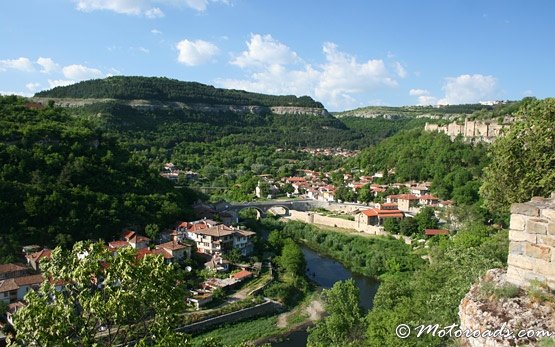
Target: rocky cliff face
(207, 108)
(487, 307)
(470, 130)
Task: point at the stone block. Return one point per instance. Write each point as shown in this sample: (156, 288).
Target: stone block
(538, 251)
(520, 261)
(517, 247)
(536, 226)
(518, 222)
(522, 277)
(525, 209)
(551, 228)
(515, 235)
(548, 213)
(547, 240)
(545, 268)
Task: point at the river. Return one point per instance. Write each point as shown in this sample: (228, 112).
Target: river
(325, 272)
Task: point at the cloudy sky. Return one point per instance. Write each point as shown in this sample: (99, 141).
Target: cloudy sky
(346, 54)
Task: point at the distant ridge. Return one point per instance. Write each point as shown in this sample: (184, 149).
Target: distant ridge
(165, 89)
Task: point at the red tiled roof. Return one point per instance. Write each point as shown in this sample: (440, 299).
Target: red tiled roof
(163, 252)
(383, 213)
(388, 204)
(295, 179)
(8, 285)
(118, 244)
(431, 232)
(404, 197)
(128, 234)
(428, 197)
(45, 253)
(29, 280)
(173, 246)
(5, 268)
(242, 274)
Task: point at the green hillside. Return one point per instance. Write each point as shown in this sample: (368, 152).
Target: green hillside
(165, 89)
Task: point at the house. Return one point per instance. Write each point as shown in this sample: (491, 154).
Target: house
(35, 258)
(433, 232)
(12, 309)
(210, 238)
(428, 200)
(14, 289)
(177, 250)
(376, 216)
(217, 263)
(135, 240)
(12, 270)
(404, 201)
(242, 275)
(200, 298)
(419, 190)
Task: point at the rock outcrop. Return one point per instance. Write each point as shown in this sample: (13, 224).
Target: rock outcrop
(175, 105)
(504, 317)
(481, 131)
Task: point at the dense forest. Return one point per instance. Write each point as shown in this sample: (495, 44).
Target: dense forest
(65, 179)
(165, 89)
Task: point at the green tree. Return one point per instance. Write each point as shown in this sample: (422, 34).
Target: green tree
(292, 259)
(426, 219)
(152, 231)
(523, 160)
(344, 325)
(391, 225)
(408, 226)
(129, 297)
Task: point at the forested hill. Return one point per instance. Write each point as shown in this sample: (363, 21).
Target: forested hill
(165, 89)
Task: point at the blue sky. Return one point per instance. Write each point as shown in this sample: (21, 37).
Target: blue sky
(347, 54)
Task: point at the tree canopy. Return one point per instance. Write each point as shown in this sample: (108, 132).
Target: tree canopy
(523, 160)
(96, 298)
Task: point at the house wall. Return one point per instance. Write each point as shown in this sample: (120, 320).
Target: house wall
(532, 242)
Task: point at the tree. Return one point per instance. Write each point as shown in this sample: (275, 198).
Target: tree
(426, 219)
(391, 225)
(408, 226)
(125, 297)
(344, 324)
(522, 160)
(292, 259)
(152, 231)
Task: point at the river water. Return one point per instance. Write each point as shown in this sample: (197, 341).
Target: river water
(325, 272)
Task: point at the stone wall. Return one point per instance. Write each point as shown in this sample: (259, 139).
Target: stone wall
(315, 218)
(266, 308)
(532, 242)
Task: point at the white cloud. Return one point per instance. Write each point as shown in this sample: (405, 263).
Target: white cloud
(59, 83)
(400, 70)
(279, 70)
(265, 50)
(418, 92)
(199, 5)
(3, 92)
(147, 8)
(21, 64)
(32, 86)
(466, 89)
(154, 12)
(424, 97)
(80, 72)
(196, 52)
(156, 32)
(48, 65)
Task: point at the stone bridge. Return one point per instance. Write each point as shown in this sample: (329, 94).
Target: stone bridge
(263, 207)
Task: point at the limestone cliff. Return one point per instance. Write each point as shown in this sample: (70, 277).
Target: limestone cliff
(175, 105)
